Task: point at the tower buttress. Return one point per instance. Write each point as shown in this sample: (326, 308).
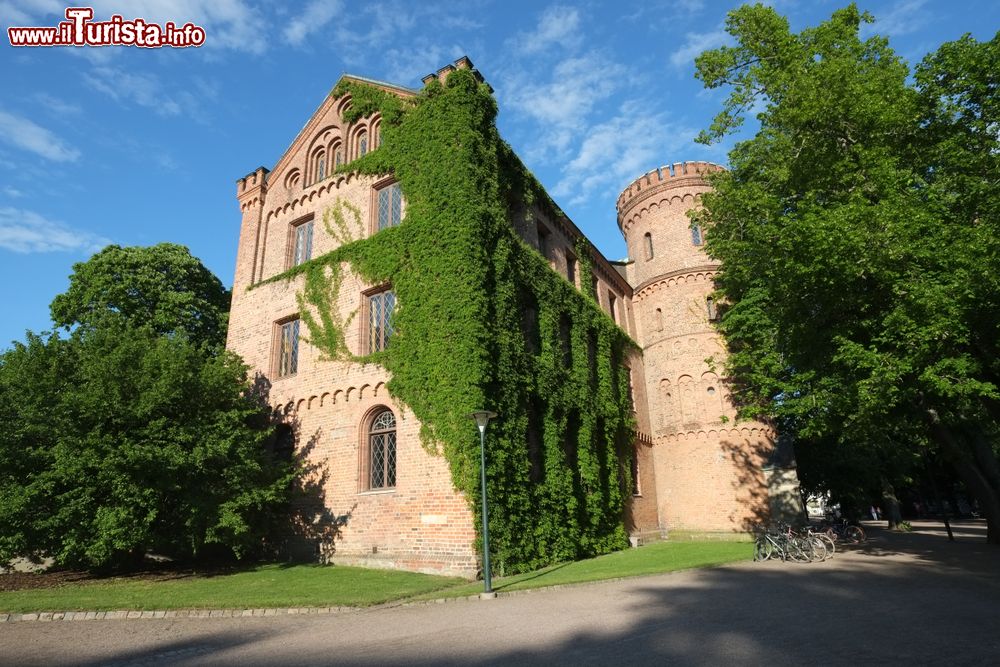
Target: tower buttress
(709, 468)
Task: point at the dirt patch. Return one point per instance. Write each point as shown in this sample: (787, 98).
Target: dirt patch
(19, 581)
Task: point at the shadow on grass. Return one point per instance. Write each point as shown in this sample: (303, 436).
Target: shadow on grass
(535, 575)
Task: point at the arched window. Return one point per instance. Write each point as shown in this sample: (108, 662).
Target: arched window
(649, 245)
(659, 319)
(696, 237)
(320, 168)
(362, 144)
(339, 159)
(382, 451)
(713, 311)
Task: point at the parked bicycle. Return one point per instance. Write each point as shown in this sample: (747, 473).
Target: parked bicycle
(787, 544)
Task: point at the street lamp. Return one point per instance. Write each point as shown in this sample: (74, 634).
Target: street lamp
(483, 418)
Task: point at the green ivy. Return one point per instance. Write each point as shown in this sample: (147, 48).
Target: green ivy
(484, 321)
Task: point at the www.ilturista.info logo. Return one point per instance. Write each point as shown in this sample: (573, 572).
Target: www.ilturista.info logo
(79, 30)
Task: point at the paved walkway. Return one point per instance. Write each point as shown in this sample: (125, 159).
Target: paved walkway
(902, 599)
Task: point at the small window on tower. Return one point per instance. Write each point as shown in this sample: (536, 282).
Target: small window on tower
(696, 236)
(649, 246)
(713, 310)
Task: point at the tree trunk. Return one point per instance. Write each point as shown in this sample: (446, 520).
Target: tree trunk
(969, 464)
(891, 504)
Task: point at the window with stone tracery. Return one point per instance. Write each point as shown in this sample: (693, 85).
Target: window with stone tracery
(381, 451)
(390, 206)
(380, 307)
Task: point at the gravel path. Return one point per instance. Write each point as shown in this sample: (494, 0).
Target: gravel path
(910, 599)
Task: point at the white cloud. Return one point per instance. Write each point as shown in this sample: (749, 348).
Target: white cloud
(387, 21)
(615, 151)
(25, 12)
(558, 26)
(142, 89)
(695, 43)
(406, 66)
(13, 193)
(146, 90)
(314, 17)
(902, 18)
(563, 104)
(56, 106)
(25, 134)
(25, 232)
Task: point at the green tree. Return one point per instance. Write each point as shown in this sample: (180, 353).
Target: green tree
(161, 286)
(126, 438)
(858, 237)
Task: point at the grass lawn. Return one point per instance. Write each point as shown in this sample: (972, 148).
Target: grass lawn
(335, 586)
(651, 559)
(262, 587)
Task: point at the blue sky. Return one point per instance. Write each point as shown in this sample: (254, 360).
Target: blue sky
(140, 146)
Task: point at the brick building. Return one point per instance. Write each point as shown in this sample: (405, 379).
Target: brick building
(393, 500)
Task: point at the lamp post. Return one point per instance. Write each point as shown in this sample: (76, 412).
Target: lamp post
(483, 418)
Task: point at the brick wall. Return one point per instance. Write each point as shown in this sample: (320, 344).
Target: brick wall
(422, 523)
(707, 467)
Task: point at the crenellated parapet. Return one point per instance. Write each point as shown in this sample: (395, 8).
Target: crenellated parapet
(462, 63)
(667, 177)
(251, 188)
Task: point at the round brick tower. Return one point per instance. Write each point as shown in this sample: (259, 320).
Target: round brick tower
(710, 470)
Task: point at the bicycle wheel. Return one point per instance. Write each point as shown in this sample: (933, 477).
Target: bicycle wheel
(799, 551)
(819, 547)
(760, 552)
(831, 546)
(855, 535)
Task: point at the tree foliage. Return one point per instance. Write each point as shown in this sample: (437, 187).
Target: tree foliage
(160, 286)
(858, 235)
(129, 437)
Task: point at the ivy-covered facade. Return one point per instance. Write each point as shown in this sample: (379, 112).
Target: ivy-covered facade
(399, 268)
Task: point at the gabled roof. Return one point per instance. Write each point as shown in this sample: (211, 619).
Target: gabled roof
(313, 120)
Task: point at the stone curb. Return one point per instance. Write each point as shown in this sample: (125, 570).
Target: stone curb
(136, 615)
(303, 611)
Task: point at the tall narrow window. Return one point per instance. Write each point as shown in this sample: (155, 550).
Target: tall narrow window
(380, 307)
(636, 490)
(362, 144)
(696, 237)
(288, 348)
(302, 241)
(713, 312)
(630, 388)
(543, 241)
(648, 241)
(382, 451)
(390, 206)
(320, 168)
(570, 268)
(338, 158)
(612, 306)
(659, 319)
(566, 340)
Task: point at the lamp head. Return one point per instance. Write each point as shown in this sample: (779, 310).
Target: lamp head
(482, 418)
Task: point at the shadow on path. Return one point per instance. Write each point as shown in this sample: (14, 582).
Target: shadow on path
(910, 599)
